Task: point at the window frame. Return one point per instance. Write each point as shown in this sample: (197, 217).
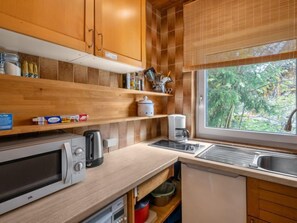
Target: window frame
(232, 135)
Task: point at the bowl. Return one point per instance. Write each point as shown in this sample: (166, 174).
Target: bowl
(163, 194)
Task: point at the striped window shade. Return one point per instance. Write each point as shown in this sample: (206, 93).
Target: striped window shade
(221, 33)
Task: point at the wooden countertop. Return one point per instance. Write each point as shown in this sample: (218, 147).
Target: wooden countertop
(262, 175)
(121, 171)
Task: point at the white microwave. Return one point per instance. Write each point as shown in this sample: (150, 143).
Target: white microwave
(33, 168)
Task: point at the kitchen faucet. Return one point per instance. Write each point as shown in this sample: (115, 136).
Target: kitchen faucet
(288, 126)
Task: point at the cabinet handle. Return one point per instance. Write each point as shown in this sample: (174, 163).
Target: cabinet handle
(101, 42)
(91, 30)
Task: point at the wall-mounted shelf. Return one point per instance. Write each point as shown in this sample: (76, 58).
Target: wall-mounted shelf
(41, 128)
(78, 86)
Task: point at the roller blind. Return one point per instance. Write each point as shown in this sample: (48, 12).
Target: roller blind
(221, 33)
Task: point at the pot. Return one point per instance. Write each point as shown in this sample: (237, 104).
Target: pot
(145, 107)
(142, 211)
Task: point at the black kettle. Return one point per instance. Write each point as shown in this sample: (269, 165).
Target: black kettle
(94, 148)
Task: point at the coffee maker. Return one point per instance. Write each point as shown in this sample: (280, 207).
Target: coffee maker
(177, 128)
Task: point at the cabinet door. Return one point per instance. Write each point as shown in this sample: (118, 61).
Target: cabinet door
(120, 30)
(210, 196)
(64, 22)
(271, 202)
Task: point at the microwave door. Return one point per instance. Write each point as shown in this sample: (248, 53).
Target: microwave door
(29, 176)
(67, 163)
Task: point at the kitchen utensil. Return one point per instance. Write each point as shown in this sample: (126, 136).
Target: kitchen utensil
(163, 194)
(150, 73)
(177, 128)
(94, 148)
(142, 211)
(145, 107)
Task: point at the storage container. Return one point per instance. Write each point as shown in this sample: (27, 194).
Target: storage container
(145, 107)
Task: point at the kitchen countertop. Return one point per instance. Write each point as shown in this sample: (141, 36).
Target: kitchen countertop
(248, 172)
(121, 171)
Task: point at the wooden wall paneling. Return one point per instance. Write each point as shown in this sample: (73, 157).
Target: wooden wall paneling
(172, 41)
(189, 102)
(122, 134)
(164, 126)
(104, 78)
(130, 133)
(154, 127)
(48, 69)
(80, 74)
(65, 71)
(114, 133)
(137, 131)
(93, 76)
(143, 130)
(148, 129)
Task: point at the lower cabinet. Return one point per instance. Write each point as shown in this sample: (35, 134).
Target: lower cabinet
(212, 196)
(147, 187)
(270, 202)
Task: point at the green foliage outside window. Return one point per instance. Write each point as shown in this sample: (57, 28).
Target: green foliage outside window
(256, 97)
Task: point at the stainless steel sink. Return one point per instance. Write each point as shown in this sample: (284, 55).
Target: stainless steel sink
(282, 164)
(264, 160)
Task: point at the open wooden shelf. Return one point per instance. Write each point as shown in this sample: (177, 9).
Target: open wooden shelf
(164, 212)
(79, 86)
(40, 128)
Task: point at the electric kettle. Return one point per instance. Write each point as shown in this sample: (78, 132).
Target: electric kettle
(94, 148)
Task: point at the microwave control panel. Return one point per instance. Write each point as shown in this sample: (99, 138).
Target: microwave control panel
(78, 148)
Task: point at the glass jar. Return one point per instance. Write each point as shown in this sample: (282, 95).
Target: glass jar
(12, 65)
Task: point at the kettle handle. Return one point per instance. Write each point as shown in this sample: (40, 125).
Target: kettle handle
(90, 147)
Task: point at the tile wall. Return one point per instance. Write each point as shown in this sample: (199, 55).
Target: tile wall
(165, 32)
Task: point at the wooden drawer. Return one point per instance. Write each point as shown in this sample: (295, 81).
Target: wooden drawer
(271, 202)
(149, 185)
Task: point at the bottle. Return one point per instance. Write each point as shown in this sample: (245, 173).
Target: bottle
(137, 82)
(31, 70)
(35, 71)
(25, 69)
(132, 81)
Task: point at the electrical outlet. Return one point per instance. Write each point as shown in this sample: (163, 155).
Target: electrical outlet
(107, 143)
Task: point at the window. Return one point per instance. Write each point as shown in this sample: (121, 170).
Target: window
(247, 101)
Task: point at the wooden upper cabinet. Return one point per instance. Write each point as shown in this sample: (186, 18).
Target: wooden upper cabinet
(120, 30)
(64, 22)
